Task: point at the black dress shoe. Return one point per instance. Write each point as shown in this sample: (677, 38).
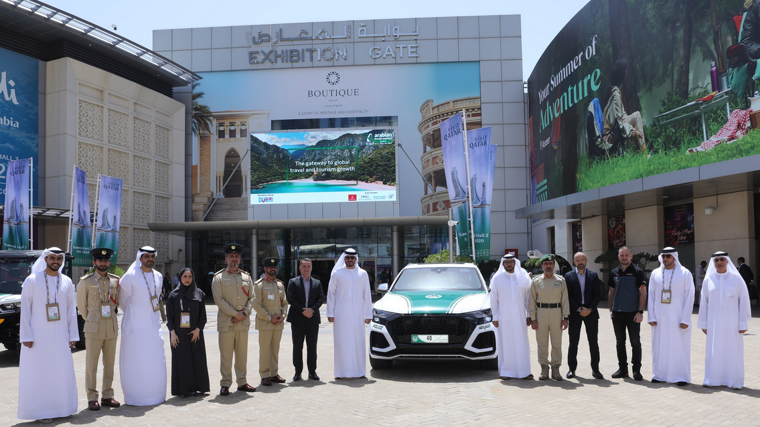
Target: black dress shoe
(93, 405)
(247, 388)
(620, 374)
(656, 381)
(637, 376)
(682, 383)
(570, 374)
(224, 391)
(297, 377)
(314, 376)
(598, 375)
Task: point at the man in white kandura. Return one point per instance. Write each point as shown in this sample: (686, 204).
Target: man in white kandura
(671, 298)
(510, 293)
(142, 360)
(724, 313)
(349, 308)
(47, 386)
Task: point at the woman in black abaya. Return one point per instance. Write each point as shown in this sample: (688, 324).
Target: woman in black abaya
(185, 318)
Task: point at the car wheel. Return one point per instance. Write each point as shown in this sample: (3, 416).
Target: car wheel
(13, 347)
(490, 364)
(380, 363)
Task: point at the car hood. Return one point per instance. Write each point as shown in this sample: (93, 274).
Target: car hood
(9, 298)
(413, 302)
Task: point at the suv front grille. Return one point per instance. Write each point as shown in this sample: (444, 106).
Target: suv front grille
(485, 340)
(376, 339)
(455, 327)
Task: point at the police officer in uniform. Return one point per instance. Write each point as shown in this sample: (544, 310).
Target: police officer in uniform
(549, 310)
(97, 295)
(233, 292)
(271, 305)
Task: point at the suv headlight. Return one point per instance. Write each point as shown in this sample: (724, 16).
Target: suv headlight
(11, 306)
(380, 316)
(482, 316)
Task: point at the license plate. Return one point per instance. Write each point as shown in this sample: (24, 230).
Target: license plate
(430, 339)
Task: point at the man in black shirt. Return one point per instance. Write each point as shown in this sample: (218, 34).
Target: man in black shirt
(627, 299)
(748, 276)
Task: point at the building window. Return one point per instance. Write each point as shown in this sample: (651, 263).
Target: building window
(232, 130)
(220, 129)
(243, 130)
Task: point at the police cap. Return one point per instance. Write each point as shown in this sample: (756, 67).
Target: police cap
(102, 253)
(233, 248)
(270, 262)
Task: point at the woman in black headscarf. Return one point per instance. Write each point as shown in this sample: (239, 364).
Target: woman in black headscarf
(186, 317)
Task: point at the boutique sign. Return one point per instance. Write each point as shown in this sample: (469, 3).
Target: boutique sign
(393, 43)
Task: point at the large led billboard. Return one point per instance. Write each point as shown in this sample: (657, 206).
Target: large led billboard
(323, 166)
(635, 88)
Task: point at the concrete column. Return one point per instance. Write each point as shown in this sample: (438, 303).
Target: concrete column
(730, 228)
(594, 231)
(644, 230)
(255, 253)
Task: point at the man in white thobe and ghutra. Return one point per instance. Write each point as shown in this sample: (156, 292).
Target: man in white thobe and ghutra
(510, 293)
(670, 302)
(47, 385)
(724, 313)
(142, 361)
(349, 308)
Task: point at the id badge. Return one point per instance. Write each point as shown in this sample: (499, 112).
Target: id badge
(154, 302)
(184, 320)
(105, 310)
(665, 296)
(53, 312)
(270, 296)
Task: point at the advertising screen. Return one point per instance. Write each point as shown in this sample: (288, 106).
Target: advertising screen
(635, 88)
(19, 114)
(315, 167)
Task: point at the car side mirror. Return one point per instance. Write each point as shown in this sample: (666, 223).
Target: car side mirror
(383, 287)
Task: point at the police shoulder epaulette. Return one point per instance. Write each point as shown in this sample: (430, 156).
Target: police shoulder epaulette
(220, 271)
(86, 276)
(113, 275)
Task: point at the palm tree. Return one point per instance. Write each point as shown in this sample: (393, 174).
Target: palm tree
(201, 113)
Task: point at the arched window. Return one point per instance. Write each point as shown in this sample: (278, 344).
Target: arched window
(232, 130)
(220, 129)
(243, 130)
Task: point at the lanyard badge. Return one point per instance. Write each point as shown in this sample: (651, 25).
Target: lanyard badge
(52, 310)
(153, 298)
(184, 319)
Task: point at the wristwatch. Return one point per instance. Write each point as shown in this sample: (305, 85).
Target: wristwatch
(641, 311)
(580, 310)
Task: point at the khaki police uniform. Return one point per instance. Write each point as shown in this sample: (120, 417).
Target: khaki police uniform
(233, 293)
(269, 300)
(100, 332)
(548, 306)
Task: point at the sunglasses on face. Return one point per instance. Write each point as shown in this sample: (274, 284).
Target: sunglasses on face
(667, 256)
(350, 257)
(720, 260)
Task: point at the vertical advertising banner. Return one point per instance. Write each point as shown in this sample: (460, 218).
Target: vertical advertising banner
(19, 112)
(109, 215)
(455, 167)
(81, 231)
(679, 224)
(16, 215)
(482, 166)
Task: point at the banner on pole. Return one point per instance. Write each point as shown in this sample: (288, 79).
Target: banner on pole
(16, 215)
(109, 215)
(455, 168)
(482, 156)
(81, 231)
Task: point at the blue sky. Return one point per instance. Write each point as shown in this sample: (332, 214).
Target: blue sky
(136, 20)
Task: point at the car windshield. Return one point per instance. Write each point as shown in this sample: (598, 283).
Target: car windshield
(12, 275)
(438, 279)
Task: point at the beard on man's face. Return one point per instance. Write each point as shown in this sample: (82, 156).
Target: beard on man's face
(101, 267)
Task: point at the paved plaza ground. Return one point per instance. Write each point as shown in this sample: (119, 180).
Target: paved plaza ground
(431, 393)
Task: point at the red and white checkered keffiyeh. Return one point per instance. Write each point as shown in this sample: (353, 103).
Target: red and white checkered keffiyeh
(737, 126)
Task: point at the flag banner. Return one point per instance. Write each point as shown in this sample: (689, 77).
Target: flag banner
(455, 168)
(81, 231)
(482, 156)
(16, 214)
(109, 215)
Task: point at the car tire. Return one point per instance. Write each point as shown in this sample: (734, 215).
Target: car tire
(380, 363)
(490, 364)
(13, 347)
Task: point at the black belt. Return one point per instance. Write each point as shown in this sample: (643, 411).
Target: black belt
(542, 305)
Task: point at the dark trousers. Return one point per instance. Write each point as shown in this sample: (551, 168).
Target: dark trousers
(592, 334)
(309, 331)
(620, 322)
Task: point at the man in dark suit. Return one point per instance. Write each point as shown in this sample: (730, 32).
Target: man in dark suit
(583, 293)
(748, 276)
(305, 296)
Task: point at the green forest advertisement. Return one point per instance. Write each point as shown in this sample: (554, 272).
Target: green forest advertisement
(635, 88)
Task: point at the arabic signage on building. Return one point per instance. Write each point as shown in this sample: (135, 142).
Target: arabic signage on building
(401, 46)
(19, 113)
